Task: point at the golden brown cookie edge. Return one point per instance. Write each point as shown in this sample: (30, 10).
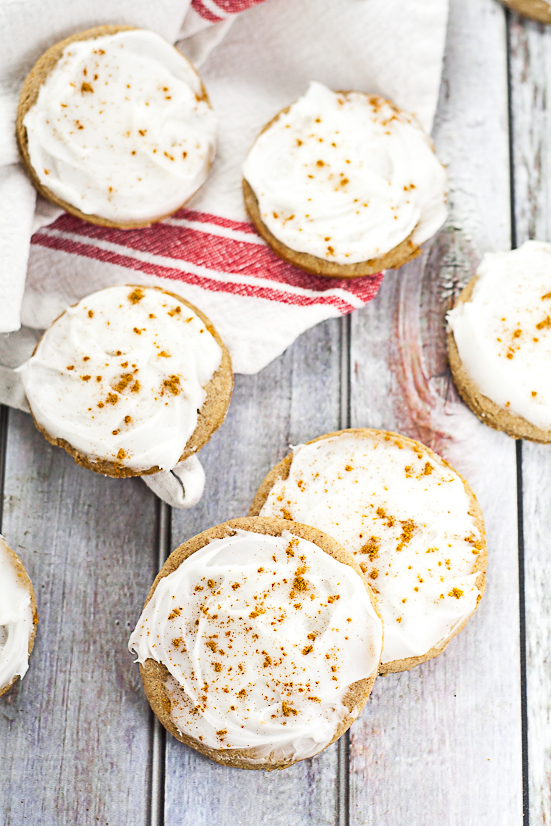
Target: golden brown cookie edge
(535, 9)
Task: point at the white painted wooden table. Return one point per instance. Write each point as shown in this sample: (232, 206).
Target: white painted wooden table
(464, 740)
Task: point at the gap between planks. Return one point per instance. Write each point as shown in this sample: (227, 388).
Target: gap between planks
(158, 733)
(4, 412)
(520, 509)
(522, 633)
(343, 746)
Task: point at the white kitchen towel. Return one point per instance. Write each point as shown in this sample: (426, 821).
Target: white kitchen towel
(209, 252)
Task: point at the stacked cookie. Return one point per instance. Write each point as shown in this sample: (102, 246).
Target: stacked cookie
(261, 638)
(411, 522)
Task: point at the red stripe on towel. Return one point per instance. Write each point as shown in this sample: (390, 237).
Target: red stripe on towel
(197, 6)
(243, 289)
(203, 248)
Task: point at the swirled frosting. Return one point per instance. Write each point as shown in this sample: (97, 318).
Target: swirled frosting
(503, 333)
(121, 376)
(120, 128)
(406, 519)
(16, 619)
(346, 177)
(262, 636)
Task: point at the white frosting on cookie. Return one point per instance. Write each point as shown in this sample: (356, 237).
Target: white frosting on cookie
(503, 333)
(121, 376)
(262, 636)
(346, 177)
(119, 129)
(406, 519)
(16, 619)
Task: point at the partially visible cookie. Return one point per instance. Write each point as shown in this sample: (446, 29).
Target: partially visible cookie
(344, 184)
(411, 521)
(130, 381)
(259, 643)
(114, 125)
(536, 9)
(18, 618)
(499, 342)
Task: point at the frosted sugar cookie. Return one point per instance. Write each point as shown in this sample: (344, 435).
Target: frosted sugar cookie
(344, 184)
(410, 520)
(499, 342)
(130, 381)
(18, 617)
(259, 643)
(115, 126)
(536, 9)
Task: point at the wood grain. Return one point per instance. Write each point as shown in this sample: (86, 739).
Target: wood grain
(530, 72)
(75, 733)
(438, 745)
(294, 399)
(442, 743)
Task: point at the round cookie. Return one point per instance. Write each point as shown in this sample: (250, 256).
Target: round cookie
(72, 369)
(101, 205)
(536, 9)
(18, 618)
(365, 501)
(522, 278)
(282, 710)
(332, 232)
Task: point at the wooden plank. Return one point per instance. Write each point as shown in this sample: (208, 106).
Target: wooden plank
(530, 73)
(536, 478)
(75, 734)
(294, 399)
(442, 743)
